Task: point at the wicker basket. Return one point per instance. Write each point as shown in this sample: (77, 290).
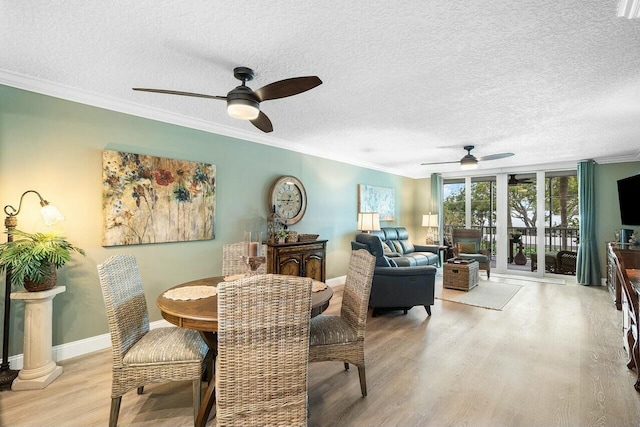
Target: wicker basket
(307, 237)
(461, 276)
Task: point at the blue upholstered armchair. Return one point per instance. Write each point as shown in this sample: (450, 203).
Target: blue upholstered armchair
(396, 288)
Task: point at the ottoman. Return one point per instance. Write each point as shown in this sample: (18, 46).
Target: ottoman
(461, 274)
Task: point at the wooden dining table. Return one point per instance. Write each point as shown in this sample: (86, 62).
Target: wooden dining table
(202, 316)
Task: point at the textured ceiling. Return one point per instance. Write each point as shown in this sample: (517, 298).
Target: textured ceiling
(405, 82)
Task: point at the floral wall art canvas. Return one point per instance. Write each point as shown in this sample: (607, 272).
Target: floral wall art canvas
(377, 199)
(148, 199)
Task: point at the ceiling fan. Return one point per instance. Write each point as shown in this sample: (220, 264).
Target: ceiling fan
(513, 180)
(244, 103)
(469, 161)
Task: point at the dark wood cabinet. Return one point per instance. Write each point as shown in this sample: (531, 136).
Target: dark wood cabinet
(626, 260)
(305, 259)
(631, 256)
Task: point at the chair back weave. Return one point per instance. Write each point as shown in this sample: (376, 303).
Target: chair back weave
(357, 288)
(125, 303)
(263, 348)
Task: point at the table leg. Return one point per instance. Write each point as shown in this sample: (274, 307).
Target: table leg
(442, 254)
(209, 398)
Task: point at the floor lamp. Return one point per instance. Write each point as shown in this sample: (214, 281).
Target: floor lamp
(51, 215)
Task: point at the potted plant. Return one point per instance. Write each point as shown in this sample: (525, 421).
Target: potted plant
(35, 257)
(281, 235)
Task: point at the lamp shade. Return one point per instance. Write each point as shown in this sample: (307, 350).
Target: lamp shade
(245, 109)
(51, 214)
(368, 221)
(430, 220)
(469, 162)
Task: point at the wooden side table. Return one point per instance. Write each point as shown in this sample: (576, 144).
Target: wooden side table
(39, 369)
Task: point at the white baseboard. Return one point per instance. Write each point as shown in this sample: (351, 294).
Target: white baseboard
(100, 342)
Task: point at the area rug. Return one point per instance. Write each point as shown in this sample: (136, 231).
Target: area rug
(493, 294)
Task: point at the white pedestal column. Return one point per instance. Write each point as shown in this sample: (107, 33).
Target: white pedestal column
(39, 370)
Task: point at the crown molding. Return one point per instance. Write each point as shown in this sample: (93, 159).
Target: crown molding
(56, 90)
(68, 93)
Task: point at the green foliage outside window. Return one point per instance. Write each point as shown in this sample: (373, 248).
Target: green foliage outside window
(522, 203)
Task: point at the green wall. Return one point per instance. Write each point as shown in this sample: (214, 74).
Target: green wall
(55, 147)
(608, 212)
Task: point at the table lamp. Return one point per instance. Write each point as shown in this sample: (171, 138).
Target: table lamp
(430, 221)
(368, 221)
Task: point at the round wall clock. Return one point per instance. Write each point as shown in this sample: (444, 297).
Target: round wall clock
(289, 199)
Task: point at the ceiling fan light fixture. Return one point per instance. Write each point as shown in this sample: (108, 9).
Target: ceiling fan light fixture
(244, 109)
(469, 162)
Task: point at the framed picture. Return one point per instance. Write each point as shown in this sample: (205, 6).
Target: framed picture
(377, 199)
(148, 199)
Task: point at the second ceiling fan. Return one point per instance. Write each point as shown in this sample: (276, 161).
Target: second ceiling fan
(514, 180)
(244, 103)
(469, 161)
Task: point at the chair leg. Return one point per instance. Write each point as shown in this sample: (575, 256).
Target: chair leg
(428, 308)
(346, 366)
(115, 410)
(140, 389)
(209, 367)
(197, 398)
(363, 381)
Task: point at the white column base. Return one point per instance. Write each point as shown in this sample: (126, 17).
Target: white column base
(36, 383)
(39, 369)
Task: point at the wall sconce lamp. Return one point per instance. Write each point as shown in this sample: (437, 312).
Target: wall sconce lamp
(430, 221)
(51, 215)
(368, 221)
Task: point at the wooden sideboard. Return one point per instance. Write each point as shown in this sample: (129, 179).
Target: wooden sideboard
(631, 256)
(628, 278)
(306, 259)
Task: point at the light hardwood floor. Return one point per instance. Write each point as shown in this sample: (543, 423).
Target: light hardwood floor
(552, 357)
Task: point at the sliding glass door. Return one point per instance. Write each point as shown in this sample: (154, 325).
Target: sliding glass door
(526, 218)
(522, 216)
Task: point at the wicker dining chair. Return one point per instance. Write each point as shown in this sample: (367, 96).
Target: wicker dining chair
(341, 338)
(142, 356)
(232, 259)
(263, 348)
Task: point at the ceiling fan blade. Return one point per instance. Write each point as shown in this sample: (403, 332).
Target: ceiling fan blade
(439, 163)
(287, 87)
(175, 92)
(495, 156)
(263, 123)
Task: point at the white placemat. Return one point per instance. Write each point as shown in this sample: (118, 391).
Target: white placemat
(318, 286)
(191, 292)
